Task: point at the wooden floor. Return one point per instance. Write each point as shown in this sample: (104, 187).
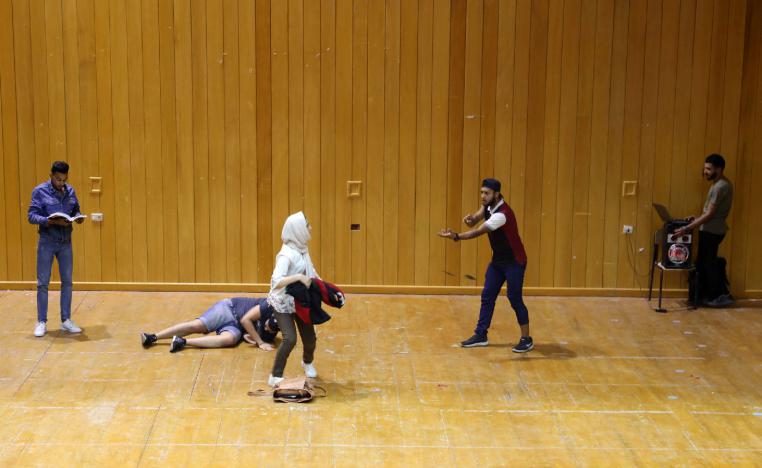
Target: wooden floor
(610, 383)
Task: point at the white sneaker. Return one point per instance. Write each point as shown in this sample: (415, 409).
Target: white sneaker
(70, 326)
(40, 329)
(274, 381)
(309, 370)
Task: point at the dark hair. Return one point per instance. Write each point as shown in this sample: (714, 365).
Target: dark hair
(264, 333)
(492, 184)
(715, 160)
(60, 166)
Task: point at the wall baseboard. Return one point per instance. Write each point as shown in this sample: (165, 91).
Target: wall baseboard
(357, 289)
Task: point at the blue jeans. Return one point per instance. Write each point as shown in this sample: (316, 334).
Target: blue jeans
(46, 250)
(494, 279)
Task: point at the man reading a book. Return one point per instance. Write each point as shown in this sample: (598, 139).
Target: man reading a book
(51, 200)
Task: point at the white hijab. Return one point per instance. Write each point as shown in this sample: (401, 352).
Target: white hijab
(295, 232)
(295, 236)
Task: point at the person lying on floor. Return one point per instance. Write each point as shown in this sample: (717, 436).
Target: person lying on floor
(232, 319)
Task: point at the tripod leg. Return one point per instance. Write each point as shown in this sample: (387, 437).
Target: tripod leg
(651, 276)
(661, 288)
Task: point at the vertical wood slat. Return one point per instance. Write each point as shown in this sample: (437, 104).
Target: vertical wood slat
(472, 123)
(152, 118)
(264, 141)
(732, 141)
(602, 69)
(407, 139)
(487, 154)
(248, 99)
(136, 110)
(312, 124)
(201, 195)
(439, 140)
(122, 150)
(25, 131)
(343, 169)
(281, 175)
(612, 196)
(423, 155)
(204, 116)
(107, 198)
(76, 46)
(328, 178)
(391, 140)
(360, 78)
(82, 113)
(295, 106)
(455, 135)
(375, 143)
(14, 199)
(582, 166)
(555, 122)
(233, 174)
(536, 101)
(185, 210)
(218, 220)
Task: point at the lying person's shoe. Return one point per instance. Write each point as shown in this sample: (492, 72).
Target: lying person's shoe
(178, 343)
(147, 339)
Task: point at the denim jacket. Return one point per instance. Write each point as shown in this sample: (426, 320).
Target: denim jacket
(46, 200)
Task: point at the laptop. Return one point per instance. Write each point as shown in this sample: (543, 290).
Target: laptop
(663, 213)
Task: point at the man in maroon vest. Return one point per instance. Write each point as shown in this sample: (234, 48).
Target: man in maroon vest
(509, 262)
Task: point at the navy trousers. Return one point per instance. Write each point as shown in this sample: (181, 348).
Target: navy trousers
(494, 279)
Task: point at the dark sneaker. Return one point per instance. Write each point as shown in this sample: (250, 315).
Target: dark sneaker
(525, 344)
(721, 301)
(147, 339)
(178, 343)
(475, 340)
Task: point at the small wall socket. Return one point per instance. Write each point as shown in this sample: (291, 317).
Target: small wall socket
(96, 217)
(627, 229)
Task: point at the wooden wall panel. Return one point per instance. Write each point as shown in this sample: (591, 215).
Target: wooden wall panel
(210, 121)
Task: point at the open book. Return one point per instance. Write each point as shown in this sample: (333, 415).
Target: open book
(68, 218)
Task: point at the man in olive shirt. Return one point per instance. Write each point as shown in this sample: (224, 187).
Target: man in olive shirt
(712, 229)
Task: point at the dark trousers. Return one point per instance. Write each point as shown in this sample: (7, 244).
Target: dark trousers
(288, 324)
(709, 277)
(493, 281)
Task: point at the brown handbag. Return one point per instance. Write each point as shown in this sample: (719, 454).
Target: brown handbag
(294, 390)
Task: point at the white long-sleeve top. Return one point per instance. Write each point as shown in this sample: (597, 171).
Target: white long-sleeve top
(288, 262)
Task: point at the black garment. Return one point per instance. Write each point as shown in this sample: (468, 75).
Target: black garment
(308, 302)
(711, 279)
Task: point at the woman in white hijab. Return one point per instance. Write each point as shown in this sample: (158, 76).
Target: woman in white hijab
(292, 264)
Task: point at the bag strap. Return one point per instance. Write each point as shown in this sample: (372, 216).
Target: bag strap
(260, 393)
(325, 392)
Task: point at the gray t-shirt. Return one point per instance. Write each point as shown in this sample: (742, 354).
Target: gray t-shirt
(721, 194)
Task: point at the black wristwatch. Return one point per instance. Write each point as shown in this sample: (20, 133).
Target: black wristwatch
(456, 238)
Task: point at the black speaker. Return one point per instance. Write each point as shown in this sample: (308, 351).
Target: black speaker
(677, 250)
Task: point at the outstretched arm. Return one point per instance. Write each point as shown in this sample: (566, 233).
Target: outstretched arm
(449, 233)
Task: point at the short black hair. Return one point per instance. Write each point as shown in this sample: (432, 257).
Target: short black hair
(60, 166)
(715, 160)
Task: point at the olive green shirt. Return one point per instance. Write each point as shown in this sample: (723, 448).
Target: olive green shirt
(720, 194)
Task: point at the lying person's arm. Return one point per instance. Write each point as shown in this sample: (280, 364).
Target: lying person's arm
(251, 336)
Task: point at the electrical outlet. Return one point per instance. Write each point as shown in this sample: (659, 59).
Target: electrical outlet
(96, 217)
(627, 229)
